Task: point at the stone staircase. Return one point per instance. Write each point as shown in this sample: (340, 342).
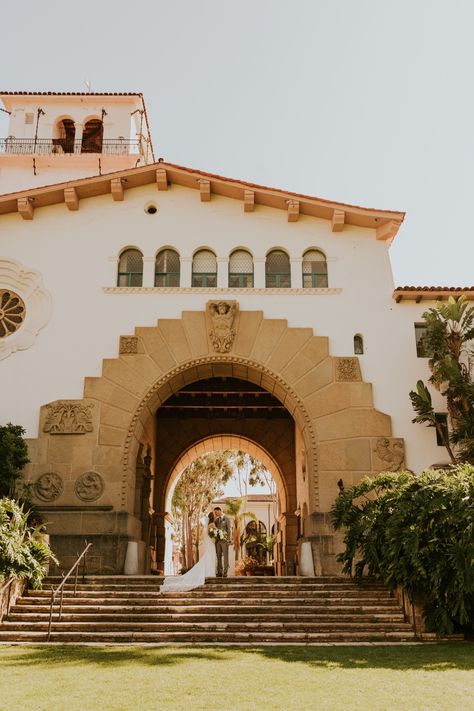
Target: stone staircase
(241, 610)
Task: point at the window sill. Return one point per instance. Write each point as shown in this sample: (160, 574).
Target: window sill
(219, 290)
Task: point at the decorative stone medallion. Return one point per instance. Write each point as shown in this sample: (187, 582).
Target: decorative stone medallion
(90, 486)
(222, 333)
(128, 344)
(12, 312)
(48, 487)
(388, 454)
(68, 417)
(347, 369)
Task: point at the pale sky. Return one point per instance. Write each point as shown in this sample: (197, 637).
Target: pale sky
(362, 101)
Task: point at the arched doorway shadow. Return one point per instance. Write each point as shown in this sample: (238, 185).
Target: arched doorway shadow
(218, 443)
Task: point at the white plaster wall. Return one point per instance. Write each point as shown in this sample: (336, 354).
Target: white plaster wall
(77, 252)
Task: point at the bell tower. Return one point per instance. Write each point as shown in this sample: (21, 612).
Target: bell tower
(58, 136)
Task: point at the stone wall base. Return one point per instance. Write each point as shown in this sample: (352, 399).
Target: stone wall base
(109, 532)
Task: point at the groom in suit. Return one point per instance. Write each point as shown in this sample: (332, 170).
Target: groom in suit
(222, 547)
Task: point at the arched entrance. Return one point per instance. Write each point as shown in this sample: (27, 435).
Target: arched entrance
(134, 412)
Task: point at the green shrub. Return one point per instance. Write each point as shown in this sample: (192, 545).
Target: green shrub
(24, 551)
(418, 532)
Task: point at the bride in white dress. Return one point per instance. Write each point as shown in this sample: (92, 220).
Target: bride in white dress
(204, 568)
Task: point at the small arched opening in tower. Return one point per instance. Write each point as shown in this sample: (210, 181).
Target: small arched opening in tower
(92, 136)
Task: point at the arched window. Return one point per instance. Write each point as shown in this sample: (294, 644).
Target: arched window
(277, 270)
(240, 269)
(130, 269)
(167, 268)
(204, 269)
(358, 344)
(64, 136)
(92, 136)
(315, 269)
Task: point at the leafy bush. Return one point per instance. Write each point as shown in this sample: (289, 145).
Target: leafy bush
(24, 551)
(418, 532)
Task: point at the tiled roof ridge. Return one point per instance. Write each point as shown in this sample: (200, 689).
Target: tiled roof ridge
(258, 186)
(434, 288)
(71, 93)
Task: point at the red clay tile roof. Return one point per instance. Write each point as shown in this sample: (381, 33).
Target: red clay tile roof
(70, 93)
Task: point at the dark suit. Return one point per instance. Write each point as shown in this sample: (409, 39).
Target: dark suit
(222, 547)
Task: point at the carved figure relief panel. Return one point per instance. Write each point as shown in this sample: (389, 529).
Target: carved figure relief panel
(68, 417)
(90, 486)
(25, 306)
(347, 369)
(222, 332)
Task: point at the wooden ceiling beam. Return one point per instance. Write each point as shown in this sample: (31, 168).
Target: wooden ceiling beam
(205, 190)
(116, 188)
(249, 200)
(25, 207)
(338, 220)
(161, 179)
(293, 210)
(71, 198)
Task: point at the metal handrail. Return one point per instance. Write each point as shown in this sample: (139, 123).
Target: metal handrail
(60, 587)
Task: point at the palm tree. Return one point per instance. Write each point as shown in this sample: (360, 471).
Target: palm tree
(233, 509)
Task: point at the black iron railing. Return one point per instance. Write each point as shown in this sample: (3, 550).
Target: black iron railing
(62, 146)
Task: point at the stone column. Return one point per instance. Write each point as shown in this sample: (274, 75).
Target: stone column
(222, 272)
(148, 271)
(185, 272)
(259, 272)
(296, 266)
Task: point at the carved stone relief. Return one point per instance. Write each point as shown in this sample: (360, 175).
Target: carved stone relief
(68, 417)
(128, 344)
(347, 369)
(90, 486)
(25, 306)
(388, 454)
(48, 487)
(222, 333)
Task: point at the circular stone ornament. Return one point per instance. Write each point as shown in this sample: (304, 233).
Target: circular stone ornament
(90, 486)
(12, 312)
(48, 487)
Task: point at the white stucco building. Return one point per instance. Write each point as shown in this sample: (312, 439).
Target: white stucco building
(114, 267)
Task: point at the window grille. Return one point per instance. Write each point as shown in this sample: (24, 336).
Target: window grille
(442, 422)
(277, 270)
(130, 269)
(358, 344)
(204, 269)
(420, 332)
(167, 268)
(240, 269)
(315, 270)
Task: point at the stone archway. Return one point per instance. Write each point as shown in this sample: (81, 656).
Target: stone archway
(85, 456)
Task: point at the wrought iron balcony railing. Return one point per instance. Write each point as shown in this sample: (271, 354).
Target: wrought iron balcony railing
(61, 146)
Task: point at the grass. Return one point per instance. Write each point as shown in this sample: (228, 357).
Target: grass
(413, 678)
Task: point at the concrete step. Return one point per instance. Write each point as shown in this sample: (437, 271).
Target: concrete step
(211, 616)
(181, 626)
(205, 637)
(250, 610)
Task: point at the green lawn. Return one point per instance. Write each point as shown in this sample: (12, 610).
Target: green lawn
(412, 678)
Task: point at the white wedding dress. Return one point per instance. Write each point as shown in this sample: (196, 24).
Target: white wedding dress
(195, 576)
